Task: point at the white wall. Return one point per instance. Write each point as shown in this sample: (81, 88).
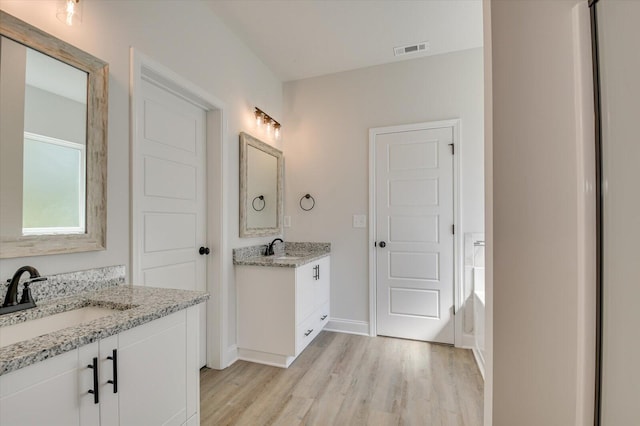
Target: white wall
(620, 90)
(186, 37)
(49, 114)
(543, 214)
(326, 154)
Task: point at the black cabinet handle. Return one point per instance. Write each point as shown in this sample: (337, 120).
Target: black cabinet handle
(114, 359)
(318, 266)
(94, 391)
(308, 332)
(204, 250)
(322, 318)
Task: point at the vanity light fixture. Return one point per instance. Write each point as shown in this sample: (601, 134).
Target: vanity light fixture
(69, 12)
(270, 123)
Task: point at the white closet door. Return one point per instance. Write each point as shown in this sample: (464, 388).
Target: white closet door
(414, 219)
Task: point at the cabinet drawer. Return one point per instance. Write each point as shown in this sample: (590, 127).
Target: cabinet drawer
(305, 333)
(311, 327)
(323, 315)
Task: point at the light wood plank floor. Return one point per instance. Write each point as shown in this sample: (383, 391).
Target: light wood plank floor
(343, 379)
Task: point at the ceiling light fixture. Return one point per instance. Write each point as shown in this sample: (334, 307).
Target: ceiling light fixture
(69, 12)
(270, 123)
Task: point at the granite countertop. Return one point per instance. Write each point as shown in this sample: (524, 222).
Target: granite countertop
(289, 255)
(133, 306)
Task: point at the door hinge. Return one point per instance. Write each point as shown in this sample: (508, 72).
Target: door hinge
(453, 149)
(453, 309)
(453, 229)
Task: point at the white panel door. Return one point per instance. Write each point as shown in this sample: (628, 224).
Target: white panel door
(414, 234)
(169, 194)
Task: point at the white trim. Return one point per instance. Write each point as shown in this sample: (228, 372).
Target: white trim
(340, 325)
(468, 341)
(457, 217)
(479, 361)
(266, 358)
(458, 239)
(232, 355)
(143, 67)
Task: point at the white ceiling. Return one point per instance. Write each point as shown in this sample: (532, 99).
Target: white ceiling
(306, 38)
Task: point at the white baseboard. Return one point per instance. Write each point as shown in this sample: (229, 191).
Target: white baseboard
(340, 325)
(259, 357)
(479, 360)
(232, 355)
(468, 341)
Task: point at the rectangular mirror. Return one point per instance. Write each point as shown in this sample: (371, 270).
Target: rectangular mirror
(53, 143)
(261, 174)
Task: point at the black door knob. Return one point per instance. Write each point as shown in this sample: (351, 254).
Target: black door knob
(382, 244)
(204, 250)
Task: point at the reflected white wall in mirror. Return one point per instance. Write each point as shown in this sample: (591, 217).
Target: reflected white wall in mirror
(45, 157)
(262, 181)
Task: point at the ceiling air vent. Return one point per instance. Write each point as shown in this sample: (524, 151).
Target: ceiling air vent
(412, 48)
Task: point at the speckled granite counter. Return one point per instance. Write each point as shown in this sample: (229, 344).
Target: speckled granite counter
(134, 306)
(287, 255)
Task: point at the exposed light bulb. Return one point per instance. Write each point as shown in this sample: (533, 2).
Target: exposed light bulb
(276, 131)
(69, 11)
(258, 119)
(269, 126)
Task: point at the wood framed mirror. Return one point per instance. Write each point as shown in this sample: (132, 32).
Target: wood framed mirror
(261, 184)
(53, 144)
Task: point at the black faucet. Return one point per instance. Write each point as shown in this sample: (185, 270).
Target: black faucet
(11, 303)
(270, 246)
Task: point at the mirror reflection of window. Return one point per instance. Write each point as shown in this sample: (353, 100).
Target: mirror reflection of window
(55, 106)
(53, 186)
(262, 180)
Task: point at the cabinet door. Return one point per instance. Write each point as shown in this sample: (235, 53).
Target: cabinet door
(152, 366)
(46, 393)
(109, 383)
(305, 293)
(322, 286)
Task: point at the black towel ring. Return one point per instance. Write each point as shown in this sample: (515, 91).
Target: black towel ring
(313, 200)
(253, 203)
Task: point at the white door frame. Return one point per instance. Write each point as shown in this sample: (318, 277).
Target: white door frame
(457, 219)
(144, 68)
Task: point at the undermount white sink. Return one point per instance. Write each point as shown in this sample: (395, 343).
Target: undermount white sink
(37, 327)
(286, 257)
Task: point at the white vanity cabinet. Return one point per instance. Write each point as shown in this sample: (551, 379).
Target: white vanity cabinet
(281, 310)
(47, 393)
(152, 379)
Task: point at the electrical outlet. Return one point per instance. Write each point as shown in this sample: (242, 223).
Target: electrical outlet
(287, 221)
(359, 221)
